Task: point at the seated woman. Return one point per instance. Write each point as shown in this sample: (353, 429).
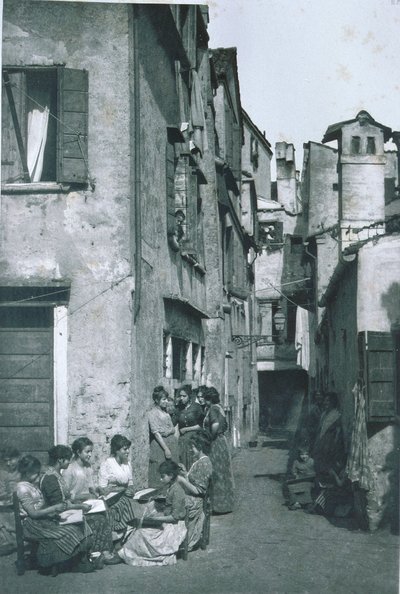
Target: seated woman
(216, 425)
(195, 484)
(158, 546)
(78, 477)
(9, 477)
(189, 417)
(55, 490)
(116, 477)
(57, 543)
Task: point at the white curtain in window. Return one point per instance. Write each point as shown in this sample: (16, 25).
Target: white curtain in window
(38, 120)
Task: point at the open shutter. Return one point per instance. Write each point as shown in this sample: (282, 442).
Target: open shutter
(378, 367)
(170, 187)
(72, 158)
(189, 243)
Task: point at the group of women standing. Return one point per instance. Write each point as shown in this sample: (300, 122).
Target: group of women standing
(170, 437)
(188, 453)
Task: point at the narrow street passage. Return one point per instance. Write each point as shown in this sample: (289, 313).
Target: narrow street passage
(261, 548)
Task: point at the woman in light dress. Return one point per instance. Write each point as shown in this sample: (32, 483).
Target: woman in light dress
(163, 442)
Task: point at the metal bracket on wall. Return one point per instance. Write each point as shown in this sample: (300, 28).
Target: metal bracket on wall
(243, 340)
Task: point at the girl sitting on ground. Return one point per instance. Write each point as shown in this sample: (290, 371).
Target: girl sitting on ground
(158, 546)
(40, 522)
(299, 488)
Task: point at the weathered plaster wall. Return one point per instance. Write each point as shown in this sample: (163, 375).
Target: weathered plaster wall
(262, 173)
(322, 197)
(379, 285)
(81, 235)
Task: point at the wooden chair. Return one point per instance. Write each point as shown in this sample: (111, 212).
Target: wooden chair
(23, 561)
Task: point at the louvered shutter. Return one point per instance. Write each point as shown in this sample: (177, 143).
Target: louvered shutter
(72, 157)
(377, 363)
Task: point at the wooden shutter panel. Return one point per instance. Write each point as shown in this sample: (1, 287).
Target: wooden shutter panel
(72, 157)
(378, 367)
(189, 243)
(170, 187)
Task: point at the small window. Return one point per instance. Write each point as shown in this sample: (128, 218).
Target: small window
(296, 244)
(371, 145)
(179, 351)
(254, 152)
(271, 234)
(44, 122)
(355, 145)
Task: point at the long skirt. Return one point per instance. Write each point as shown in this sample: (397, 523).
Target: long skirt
(185, 450)
(57, 543)
(121, 513)
(147, 547)
(222, 477)
(157, 456)
(101, 537)
(196, 519)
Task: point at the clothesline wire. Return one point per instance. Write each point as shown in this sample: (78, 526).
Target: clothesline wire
(69, 314)
(56, 292)
(286, 297)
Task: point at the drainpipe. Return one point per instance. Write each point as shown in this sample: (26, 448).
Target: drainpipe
(135, 80)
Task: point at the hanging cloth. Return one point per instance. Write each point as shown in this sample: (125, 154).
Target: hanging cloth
(357, 467)
(197, 114)
(302, 338)
(38, 119)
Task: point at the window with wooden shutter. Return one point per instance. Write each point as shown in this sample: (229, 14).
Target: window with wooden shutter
(377, 366)
(170, 165)
(45, 125)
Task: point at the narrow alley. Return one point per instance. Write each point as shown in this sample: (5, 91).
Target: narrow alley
(260, 548)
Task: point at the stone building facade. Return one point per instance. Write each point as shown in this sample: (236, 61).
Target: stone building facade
(114, 265)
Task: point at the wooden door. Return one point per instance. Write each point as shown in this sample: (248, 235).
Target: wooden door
(26, 379)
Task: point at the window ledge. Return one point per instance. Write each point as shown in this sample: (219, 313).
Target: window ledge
(35, 188)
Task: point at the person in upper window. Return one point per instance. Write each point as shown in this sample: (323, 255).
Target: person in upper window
(179, 224)
(163, 441)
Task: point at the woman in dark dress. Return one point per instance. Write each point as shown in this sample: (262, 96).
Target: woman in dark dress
(57, 543)
(222, 478)
(189, 416)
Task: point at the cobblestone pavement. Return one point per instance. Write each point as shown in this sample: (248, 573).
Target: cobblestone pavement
(260, 548)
